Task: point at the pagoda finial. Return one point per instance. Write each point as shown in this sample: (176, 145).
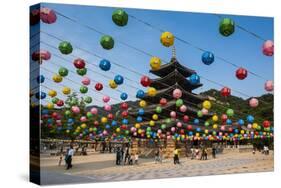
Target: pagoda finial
(173, 52)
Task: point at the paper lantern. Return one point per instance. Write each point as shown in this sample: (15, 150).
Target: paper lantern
(227, 27)
(107, 42)
(145, 81)
(65, 47)
(105, 65)
(98, 86)
(167, 39)
(253, 102)
(208, 58)
(268, 86)
(207, 104)
(151, 91)
(194, 79)
(225, 91)
(47, 15)
(266, 124)
(112, 84)
(120, 17)
(177, 93)
(268, 48)
(241, 73)
(155, 63)
(79, 63)
(63, 71)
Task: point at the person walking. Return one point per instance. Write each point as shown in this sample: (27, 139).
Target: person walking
(176, 156)
(136, 158)
(69, 157)
(156, 156)
(118, 156)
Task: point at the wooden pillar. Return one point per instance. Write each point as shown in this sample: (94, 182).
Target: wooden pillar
(134, 146)
(170, 148)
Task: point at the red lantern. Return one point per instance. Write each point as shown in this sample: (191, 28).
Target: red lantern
(189, 127)
(185, 118)
(125, 113)
(225, 91)
(110, 116)
(55, 115)
(47, 15)
(79, 63)
(60, 103)
(223, 117)
(96, 123)
(124, 127)
(266, 124)
(163, 101)
(124, 106)
(241, 73)
(145, 81)
(230, 129)
(182, 131)
(98, 86)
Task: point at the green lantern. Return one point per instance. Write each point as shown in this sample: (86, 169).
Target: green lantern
(67, 113)
(163, 126)
(63, 71)
(120, 17)
(65, 47)
(55, 100)
(107, 42)
(158, 109)
(229, 112)
(74, 102)
(89, 115)
(83, 89)
(168, 120)
(82, 72)
(207, 123)
(179, 102)
(88, 99)
(199, 113)
(227, 27)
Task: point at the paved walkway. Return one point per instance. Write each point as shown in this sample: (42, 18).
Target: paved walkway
(97, 170)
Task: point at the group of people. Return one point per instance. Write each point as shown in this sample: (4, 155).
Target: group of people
(124, 156)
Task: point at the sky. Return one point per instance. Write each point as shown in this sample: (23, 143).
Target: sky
(241, 48)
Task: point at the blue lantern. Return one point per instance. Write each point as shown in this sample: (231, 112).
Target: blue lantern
(141, 111)
(139, 119)
(125, 121)
(40, 79)
(241, 122)
(105, 65)
(250, 119)
(208, 58)
(45, 112)
(228, 122)
(107, 126)
(194, 79)
(190, 133)
(198, 129)
(236, 131)
(124, 96)
(40, 95)
(118, 79)
(196, 121)
(140, 94)
(113, 123)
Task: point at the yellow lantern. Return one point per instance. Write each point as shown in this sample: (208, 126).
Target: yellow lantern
(57, 78)
(52, 93)
(66, 90)
(215, 118)
(207, 104)
(142, 103)
(206, 131)
(155, 63)
(50, 106)
(83, 126)
(118, 130)
(215, 126)
(91, 129)
(242, 131)
(152, 123)
(139, 131)
(197, 134)
(255, 125)
(112, 84)
(137, 125)
(67, 131)
(167, 39)
(151, 91)
(104, 120)
(155, 117)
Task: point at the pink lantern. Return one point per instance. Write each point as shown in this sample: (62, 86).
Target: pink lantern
(253, 102)
(104, 132)
(173, 114)
(86, 81)
(47, 15)
(268, 48)
(94, 111)
(249, 126)
(204, 111)
(179, 124)
(75, 109)
(185, 118)
(183, 108)
(159, 131)
(135, 133)
(107, 107)
(222, 128)
(106, 98)
(177, 93)
(223, 117)
(83, 119)
(133, 129)
(41, 55)
(268, 86)
(173, 129)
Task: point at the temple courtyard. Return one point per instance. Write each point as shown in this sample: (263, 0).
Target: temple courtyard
(99, 167)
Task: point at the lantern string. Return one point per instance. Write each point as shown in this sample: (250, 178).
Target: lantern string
(244, 29)
(136, 71)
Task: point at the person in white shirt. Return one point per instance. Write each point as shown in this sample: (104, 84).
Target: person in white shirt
(69, 157)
